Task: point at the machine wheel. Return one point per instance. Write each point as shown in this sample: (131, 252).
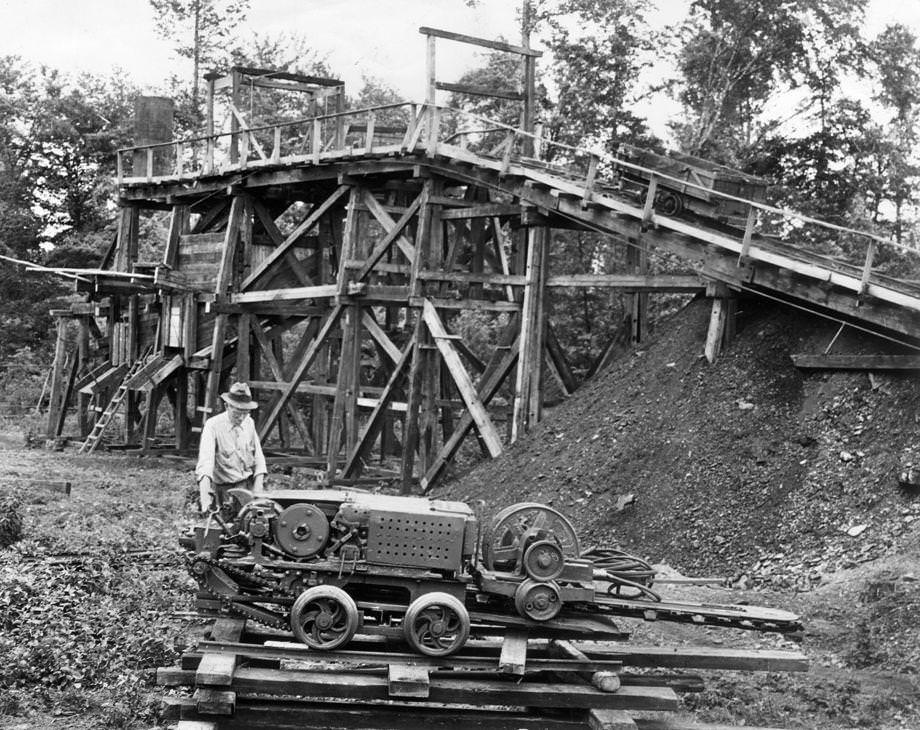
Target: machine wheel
(544, 560)
(324, 617)
(301, 530)
(436, 624)
(538, 601)
(503, 540)
(669, 203)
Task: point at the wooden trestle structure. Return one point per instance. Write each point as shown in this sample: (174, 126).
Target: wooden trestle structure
(326, 261)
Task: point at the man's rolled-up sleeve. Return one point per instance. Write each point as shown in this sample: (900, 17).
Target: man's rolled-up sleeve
(206, 447)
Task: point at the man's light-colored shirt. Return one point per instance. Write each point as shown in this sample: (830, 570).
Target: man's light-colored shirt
(229, 453)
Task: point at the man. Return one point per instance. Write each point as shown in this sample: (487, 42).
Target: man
(230, 454)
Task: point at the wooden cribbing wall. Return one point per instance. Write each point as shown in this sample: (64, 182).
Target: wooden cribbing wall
(333, 262)
(243, 677)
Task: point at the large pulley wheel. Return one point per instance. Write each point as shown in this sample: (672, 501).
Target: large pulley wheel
(301, 530)
(505, 540)
(436, 624)
(538, 601)
(324, 617)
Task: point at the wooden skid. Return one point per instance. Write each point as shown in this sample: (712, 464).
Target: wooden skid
(251, 678)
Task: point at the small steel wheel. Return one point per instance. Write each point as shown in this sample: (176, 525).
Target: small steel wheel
(324, 617)
(436, 624)
(544, 560)
(669, 203)
(538, 601)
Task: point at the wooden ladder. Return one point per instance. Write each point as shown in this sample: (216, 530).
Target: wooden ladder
(95, 436)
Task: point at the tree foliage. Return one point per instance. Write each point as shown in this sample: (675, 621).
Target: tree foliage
(200, 30)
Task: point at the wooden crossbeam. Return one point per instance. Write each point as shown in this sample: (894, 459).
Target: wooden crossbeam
(301, 369)
(394, 233)
(856, 362)
(391, 226)
(311, 220)
(503, 362)
(386, 345)
(277, 371)
(375, 421)
(688, 284)
(277, 237)
(462, 380)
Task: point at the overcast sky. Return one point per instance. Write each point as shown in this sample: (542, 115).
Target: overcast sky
(378, 38)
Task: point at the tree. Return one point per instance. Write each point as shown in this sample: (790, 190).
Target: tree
(200, 29)
(597, 49)
(896, 56)
(737, 54)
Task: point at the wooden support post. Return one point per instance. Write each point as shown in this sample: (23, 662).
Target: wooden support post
(180, 411)
(410, 427)
(867, 267)
(275, 350)
(748, 234)
(209, 127)
(527, 389)
(234, 122)
(637, 263)
(221, 287)
(132, 398)
(353, 361)
(648, 208)
(716, 329)
(84, 360)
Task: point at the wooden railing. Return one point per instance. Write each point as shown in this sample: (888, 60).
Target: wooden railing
(591, 175)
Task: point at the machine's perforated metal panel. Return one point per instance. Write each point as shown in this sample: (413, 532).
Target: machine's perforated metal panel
(416, 540)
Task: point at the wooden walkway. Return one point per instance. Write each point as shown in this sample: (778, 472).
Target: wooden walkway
(740, 258)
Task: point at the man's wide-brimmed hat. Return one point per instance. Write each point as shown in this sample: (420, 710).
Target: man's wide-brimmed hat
(239, 397)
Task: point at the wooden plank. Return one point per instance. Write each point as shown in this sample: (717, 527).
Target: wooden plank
(282, 295)
(483, 210)
(610, 720)
(485, 43)
(856, 362)
(513, 659)
(462, 380)
(196, 725)
(407, 680)
(693, 657)
(215, 670)
(257, 714)
(214, 701)
(688, 284)
(358, 686)
(480, 91)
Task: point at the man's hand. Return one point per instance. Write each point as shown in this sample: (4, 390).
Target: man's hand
(207, 500)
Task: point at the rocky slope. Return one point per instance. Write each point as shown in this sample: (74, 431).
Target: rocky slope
(746, 468)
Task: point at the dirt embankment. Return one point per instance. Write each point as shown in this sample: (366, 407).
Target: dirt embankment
(745, 468)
